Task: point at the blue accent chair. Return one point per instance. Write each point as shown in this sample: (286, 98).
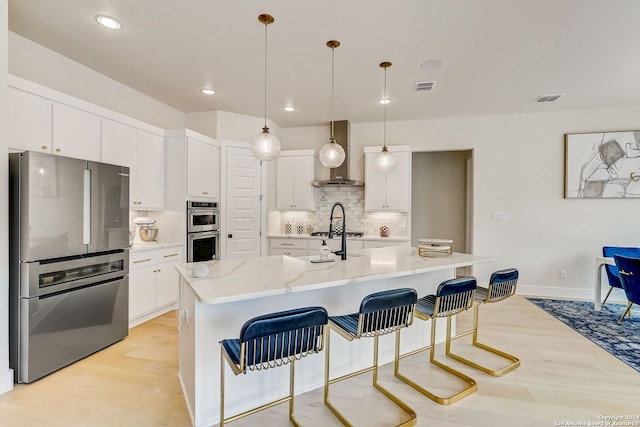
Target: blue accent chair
(453, 296)
(629, 269)
(380, 313)
(612, 271)
(269, 341)
(502, 285)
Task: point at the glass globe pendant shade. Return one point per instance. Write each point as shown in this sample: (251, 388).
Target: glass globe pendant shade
(384, 161)
(266, 146)
(332, 154)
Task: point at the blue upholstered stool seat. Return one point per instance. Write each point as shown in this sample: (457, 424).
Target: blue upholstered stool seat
(269, 341)
(348, 323)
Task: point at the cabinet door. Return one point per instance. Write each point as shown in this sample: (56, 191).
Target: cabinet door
(29, 121)
(293, 188)
(149, 171)
(118, 148)
(375, 187)
(168, 283)
(390, 191)
(142, 291)
(303, 191)
(398, 184)
(284, 185)
(168, 280)
(203, 166)
(75, 133)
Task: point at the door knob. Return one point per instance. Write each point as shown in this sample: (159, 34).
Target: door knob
(230, 236)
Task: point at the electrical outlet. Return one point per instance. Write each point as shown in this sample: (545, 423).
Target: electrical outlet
(563, 274)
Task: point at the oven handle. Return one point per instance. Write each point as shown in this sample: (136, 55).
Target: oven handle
(203, 235)
(203, 211)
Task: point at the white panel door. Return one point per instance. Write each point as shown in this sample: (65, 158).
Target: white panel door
(243, 204)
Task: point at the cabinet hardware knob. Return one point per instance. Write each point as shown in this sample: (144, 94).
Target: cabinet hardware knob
(44, 147)
(58, 150)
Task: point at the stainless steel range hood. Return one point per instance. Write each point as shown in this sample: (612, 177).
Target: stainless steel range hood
(339, 177)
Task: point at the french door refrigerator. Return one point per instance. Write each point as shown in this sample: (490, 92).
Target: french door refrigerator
(69, 260)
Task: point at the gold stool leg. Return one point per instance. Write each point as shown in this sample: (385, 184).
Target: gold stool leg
(443, 400)
(515, 362)
(628, 310)
(221, 387)
(413, 417)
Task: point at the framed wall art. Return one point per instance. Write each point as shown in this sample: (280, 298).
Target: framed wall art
(602, 165)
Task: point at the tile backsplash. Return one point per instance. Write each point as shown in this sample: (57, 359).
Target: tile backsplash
(356, 218)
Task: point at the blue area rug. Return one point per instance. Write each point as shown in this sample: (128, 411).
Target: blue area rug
(600, 327)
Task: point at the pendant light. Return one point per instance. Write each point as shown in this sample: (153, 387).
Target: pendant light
(266, 146)
(332, 154)
(385, 161)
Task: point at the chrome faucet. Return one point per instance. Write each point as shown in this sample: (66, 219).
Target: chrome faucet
(343, 250)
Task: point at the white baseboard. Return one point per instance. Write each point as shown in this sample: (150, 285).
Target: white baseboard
(617, 295)
(6, 381)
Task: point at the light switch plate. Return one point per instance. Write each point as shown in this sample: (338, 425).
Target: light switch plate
(499, 216)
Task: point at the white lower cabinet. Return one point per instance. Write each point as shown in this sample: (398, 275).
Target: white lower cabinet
(290, 247)
(384, 243)
(153, 283)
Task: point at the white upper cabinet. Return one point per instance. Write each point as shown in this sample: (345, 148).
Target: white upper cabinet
(75, 133)
(150, 171)
(29, 121)
(296, 172)
(391, 191)
(203, 169)
(39, 124)
(143, 153)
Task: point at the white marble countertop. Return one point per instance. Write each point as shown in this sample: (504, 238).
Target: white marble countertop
(243, 279)
(365, 237)
(153, 246)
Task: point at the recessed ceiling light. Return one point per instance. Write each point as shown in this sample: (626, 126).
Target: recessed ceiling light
(289, 108)
(208, 91)
(431, 64)
(384, 101)
(108, 22)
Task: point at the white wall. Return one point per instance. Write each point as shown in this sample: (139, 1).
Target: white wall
(6, 375)
(519, 169)
(38, 64)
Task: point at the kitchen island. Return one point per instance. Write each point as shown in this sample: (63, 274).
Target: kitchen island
(216, 306)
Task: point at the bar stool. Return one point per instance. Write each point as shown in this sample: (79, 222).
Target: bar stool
(380, 313)
(269, 341)
(502, 285)
(453, 296)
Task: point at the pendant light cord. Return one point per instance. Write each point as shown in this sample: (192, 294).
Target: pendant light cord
(332, 139)
(265, 73)
(384, 132)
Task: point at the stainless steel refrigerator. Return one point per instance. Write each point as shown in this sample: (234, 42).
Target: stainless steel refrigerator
(69, 260)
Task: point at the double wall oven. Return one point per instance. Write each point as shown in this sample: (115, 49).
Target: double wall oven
(203, 235)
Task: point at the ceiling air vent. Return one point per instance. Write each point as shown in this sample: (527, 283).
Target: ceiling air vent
(548, 98)
(425, 86)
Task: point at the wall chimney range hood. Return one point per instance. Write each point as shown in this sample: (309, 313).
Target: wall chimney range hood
(339, 177)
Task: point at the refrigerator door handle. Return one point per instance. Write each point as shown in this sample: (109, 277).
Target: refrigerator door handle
(86, 212)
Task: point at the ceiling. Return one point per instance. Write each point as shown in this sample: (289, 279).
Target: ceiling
(497, 55)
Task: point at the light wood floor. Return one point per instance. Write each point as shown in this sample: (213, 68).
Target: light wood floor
(563, 378)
